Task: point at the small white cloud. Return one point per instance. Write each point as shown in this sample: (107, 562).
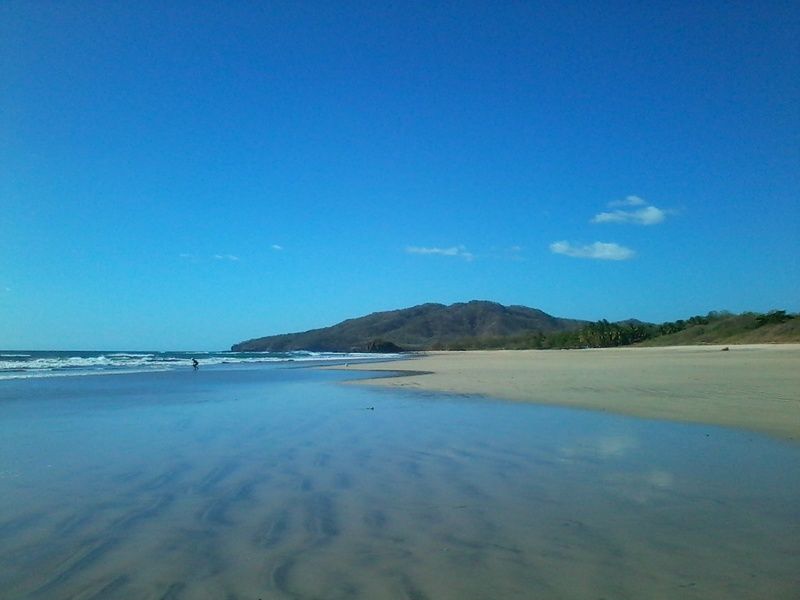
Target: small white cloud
(225, 257)
(628, 201)
(459, 251)
(649, 215)
(514, 253)
(276, 247)
(646, 215)
(598, 250)
(186, 255)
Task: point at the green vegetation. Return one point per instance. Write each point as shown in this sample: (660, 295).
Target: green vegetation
(776, 326)
(713, 328)
(417, 328)
(480, 325)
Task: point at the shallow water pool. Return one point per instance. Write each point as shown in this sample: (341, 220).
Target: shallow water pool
(277, 482)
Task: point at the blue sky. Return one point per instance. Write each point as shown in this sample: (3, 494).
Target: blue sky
(188, 175)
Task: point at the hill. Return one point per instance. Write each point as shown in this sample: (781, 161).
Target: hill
(417, 328)
(747, 328)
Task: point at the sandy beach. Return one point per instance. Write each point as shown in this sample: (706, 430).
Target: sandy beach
(756, 387)
(275, 481)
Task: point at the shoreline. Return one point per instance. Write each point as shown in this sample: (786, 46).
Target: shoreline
(751, 386)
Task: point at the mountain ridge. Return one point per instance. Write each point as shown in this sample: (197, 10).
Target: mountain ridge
(416, 328)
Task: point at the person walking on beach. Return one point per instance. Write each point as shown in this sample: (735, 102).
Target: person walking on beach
(195, 364)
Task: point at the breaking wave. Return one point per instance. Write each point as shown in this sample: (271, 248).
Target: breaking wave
(23, 365)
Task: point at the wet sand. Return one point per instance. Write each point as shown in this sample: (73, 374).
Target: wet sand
(280, 483)
(755, 387)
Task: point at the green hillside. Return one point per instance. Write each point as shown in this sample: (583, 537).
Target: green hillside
(747, 328)
(417, 328)
(479, 325)
(713, 328)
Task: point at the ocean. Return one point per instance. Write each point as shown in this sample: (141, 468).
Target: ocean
(263, 478)
(25, 364)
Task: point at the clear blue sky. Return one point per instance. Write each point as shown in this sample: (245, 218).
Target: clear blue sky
(179, 175)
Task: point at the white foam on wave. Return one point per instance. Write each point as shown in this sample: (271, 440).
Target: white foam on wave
(46, 374)
(72, 363)
(129, 362)
(304, 357)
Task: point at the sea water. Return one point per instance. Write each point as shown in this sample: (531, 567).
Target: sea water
(273, 481)
(28, 364)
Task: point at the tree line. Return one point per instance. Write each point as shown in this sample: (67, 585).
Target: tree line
(603, 334)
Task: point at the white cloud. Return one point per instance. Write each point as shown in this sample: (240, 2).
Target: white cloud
(186, 255)
(646, 215)
(628, 201)
(514, 253)
(598, 250)
(459, 251)
(277, 247)
(225, 257)
(649, 215)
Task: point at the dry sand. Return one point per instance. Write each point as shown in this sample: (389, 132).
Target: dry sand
(755, 387)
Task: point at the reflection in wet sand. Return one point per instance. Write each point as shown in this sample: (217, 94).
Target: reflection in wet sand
(286, 488)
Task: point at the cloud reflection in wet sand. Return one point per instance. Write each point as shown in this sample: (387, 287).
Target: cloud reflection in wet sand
(287, 489)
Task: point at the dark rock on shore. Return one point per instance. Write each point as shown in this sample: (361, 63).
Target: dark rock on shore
(379, 347)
